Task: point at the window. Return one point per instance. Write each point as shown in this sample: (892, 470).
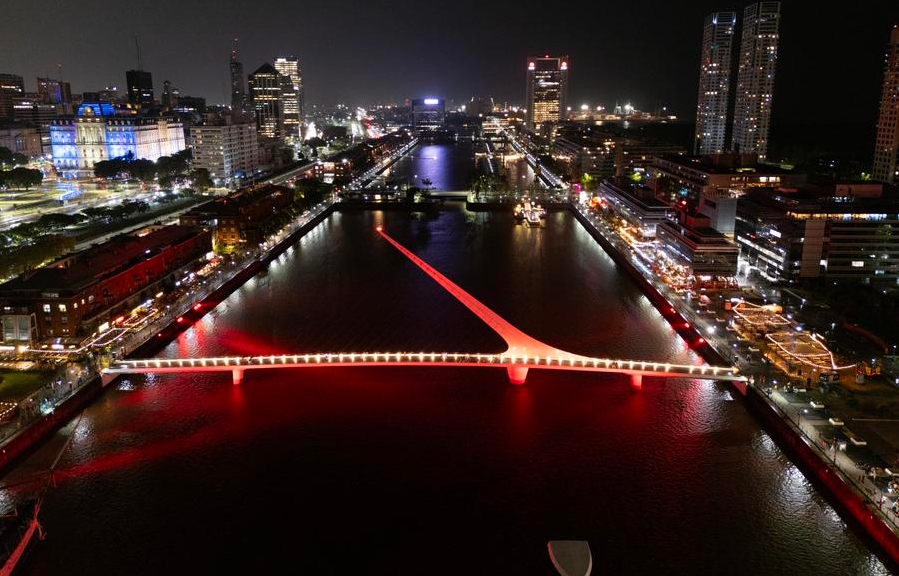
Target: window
(62, 307)
(47, 308)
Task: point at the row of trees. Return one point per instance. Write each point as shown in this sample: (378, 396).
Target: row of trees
(20, 177)
(167, 171)
(8, 158)
(29, 245)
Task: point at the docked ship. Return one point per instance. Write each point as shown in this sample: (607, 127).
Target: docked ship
(530, 213)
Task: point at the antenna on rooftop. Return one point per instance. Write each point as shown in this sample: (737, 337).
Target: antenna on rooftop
(137, 45)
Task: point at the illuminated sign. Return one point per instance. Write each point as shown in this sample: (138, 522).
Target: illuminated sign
(432, 101)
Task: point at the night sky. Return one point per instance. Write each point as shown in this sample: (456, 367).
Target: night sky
(359, 52)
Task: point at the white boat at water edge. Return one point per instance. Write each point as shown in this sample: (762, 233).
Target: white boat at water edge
(571, 557)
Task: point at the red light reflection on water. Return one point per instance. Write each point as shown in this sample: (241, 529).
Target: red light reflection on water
(209, 433)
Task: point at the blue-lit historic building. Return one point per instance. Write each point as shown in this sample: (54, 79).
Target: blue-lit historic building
(96, 134)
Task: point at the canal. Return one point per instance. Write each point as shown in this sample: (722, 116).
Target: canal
(444, 471)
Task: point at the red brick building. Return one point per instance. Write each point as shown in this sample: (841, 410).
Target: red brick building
(73, 296)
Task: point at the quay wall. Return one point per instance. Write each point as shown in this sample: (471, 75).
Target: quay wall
(847, 501)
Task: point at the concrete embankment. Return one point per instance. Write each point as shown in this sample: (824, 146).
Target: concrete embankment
(851, 506)
(28, 437)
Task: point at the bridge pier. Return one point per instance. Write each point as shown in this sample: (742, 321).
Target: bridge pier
(237, 376)
(517, 374)
(637, 381)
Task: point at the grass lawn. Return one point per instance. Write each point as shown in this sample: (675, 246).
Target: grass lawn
(16, 385)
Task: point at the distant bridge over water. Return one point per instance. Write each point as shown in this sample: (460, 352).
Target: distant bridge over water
(523, 353)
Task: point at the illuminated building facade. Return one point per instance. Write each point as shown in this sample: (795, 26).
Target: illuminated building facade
(849, 233)
(140, 88)
(428, 113)
(714, 82)
(677, 178)
(886, 149)
(291, 90)
(96, 134)
(73, 296)
(755, 78)
(546, 97)
(265, 94)
(635, 204)
(229, 151)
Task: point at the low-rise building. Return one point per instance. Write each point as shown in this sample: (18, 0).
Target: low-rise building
(77, 294)
(242, 218)
(848, 232)
(636, 204)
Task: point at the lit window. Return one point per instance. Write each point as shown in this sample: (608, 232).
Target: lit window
(47, 308)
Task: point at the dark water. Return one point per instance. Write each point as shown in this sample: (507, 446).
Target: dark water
(430, 471)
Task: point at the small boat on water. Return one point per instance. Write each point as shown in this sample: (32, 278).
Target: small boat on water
(571, 557)
(530, 213)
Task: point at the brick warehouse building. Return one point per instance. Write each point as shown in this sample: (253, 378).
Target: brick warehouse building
(75, 295)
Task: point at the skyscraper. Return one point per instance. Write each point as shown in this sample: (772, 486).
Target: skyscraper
(289, 69)
(714, 83)
(54, 91)
(886, 147)
(238, 83)
(547, 90)
(265, 93)
(11, 86)
(755, 78)
(140, 87)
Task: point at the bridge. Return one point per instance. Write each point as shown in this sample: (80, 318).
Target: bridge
(523, 352)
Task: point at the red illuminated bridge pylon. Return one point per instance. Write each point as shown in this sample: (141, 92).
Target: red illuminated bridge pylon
(523, 352)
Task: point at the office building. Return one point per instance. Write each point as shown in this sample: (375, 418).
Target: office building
(140, 88)
(291, 87)
(54, 91)
(265, 95)
(714, 83)
(238, 82)
(886, 149)
(11, 86)
(546, 97)
(755, 78)
(848, 232)
(428, 114)
(227, 147)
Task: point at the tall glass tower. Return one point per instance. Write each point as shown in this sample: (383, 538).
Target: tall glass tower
(886, 148)
(238, 84)
(755, 78)
(547, 90)
(265, 91)
(714, 83)
(291, 87)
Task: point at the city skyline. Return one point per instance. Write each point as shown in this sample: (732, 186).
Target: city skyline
(642, 54)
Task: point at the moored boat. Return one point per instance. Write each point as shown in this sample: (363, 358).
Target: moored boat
(571, 557)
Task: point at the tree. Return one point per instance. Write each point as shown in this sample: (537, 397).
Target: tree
(10, 158)
(200, 179)
(143, 170)
(21, 177)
